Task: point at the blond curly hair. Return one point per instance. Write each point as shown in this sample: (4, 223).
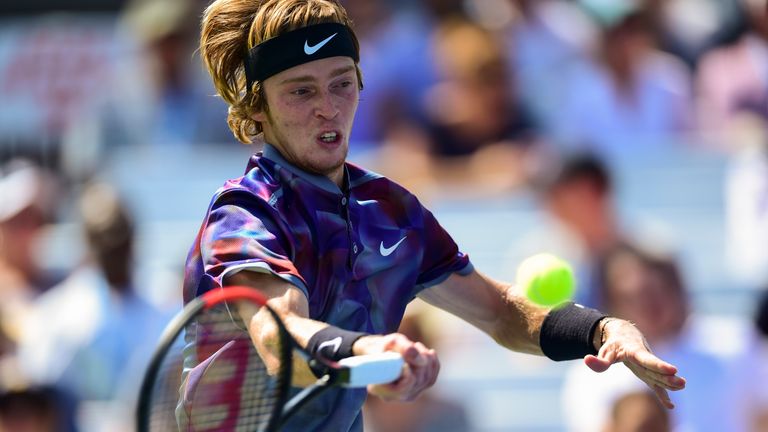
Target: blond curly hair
(232, 27)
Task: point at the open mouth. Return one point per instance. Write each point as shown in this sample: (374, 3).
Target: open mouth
(331, 137)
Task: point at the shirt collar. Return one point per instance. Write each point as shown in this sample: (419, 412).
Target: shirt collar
(323, 182)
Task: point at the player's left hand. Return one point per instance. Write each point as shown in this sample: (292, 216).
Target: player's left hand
(624, 343)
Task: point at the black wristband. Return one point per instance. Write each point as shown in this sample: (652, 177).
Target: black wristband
(333, 343)
(567, 332)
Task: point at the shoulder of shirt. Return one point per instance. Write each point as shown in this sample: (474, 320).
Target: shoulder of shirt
(256, 182)
(359, 176)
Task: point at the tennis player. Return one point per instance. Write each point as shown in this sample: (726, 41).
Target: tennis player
(341, 250)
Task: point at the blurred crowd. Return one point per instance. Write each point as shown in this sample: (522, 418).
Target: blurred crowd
(462, 99)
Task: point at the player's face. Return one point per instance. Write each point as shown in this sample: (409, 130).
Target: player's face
(310, 112)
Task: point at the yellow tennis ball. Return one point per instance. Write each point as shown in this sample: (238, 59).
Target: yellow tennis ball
(546, 279)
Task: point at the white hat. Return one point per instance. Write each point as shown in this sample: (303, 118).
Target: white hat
(23, 185)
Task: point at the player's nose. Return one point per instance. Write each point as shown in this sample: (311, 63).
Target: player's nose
(325, 106)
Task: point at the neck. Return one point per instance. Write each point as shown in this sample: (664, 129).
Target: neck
(337, 177)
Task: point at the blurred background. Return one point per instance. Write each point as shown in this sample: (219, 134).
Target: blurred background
(628, 136)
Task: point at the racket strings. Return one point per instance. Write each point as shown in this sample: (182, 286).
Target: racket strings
(213, 379)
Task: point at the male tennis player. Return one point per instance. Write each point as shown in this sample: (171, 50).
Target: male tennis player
(341, 250)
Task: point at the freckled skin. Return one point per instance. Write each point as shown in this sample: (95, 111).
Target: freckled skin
(306, 101)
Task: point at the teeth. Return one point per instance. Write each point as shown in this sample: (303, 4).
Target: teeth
(328, 136)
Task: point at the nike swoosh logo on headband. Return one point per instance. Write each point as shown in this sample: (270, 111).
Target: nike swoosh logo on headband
(309, 50)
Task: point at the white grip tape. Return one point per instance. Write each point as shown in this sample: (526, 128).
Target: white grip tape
(373, 369)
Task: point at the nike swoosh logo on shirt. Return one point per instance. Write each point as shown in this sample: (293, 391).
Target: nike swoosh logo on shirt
(334, 343)
(309, 50)
(387, 251)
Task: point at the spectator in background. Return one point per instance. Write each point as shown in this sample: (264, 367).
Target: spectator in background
(761, 319)
(544, 37)
(26, 207)
(390, 45)
(627, 95)
(399, 66)
(472, 128)
(381, 46)
(638, 411)
(89, 335)
(429, 412)
(158, 97)
(687, 29)
(647, 289)
(40, 409)
(734, 78)
(397, 63)
(760, 419)
(583, 225)
(746, 199)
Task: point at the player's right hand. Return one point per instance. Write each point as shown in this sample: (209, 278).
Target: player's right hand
(419, 372)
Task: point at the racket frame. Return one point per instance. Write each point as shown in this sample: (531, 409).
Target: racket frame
(184, 318)
(335, 373)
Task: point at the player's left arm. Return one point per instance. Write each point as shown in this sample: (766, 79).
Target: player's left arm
(502, 312)
(494, 307)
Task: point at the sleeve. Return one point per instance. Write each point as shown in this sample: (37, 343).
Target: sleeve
(244, 232)
(441, 255)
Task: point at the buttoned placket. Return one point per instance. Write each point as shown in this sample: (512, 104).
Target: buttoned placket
(354, 249)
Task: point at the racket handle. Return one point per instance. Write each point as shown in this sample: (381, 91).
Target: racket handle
(373, 369)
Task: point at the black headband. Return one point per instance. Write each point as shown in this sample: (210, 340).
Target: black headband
(297, 47)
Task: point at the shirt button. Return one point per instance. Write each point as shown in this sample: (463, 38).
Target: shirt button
(344, 201)
(354, 247)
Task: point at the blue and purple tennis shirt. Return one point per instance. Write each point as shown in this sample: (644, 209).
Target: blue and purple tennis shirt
(360, 254)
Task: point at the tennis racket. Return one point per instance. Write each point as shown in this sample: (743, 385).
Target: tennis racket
(206, 374)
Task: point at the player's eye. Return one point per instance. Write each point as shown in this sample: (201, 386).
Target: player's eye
(343, 84)
(300, 91)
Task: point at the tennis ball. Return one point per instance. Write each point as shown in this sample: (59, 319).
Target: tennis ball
(546, 279)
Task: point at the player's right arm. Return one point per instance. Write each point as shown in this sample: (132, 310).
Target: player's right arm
(291, 304)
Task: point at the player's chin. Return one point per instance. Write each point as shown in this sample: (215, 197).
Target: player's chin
(328, 163)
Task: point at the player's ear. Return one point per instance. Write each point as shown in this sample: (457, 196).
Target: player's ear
(260, 116)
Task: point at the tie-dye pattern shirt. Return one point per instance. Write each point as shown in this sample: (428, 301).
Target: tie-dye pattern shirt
(359, 254)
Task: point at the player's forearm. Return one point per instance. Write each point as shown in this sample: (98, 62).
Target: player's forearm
(493, 307)
(266, 338)
(519, 326)
(291, 305)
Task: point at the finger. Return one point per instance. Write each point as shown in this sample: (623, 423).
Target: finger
(649, 361)
(435, 369)
(420, 359)
(413, 357)
(429, 372)
(406, 380)
(405, 347)
(673, 383)
(654, 384)
(399, 390)
(663, 397)
(596, 364)
(655, 379)
(665, 380)
(608, 354)
(604, 359)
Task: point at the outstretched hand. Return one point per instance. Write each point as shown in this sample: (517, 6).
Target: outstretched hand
(419, 372)
(624, 343)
